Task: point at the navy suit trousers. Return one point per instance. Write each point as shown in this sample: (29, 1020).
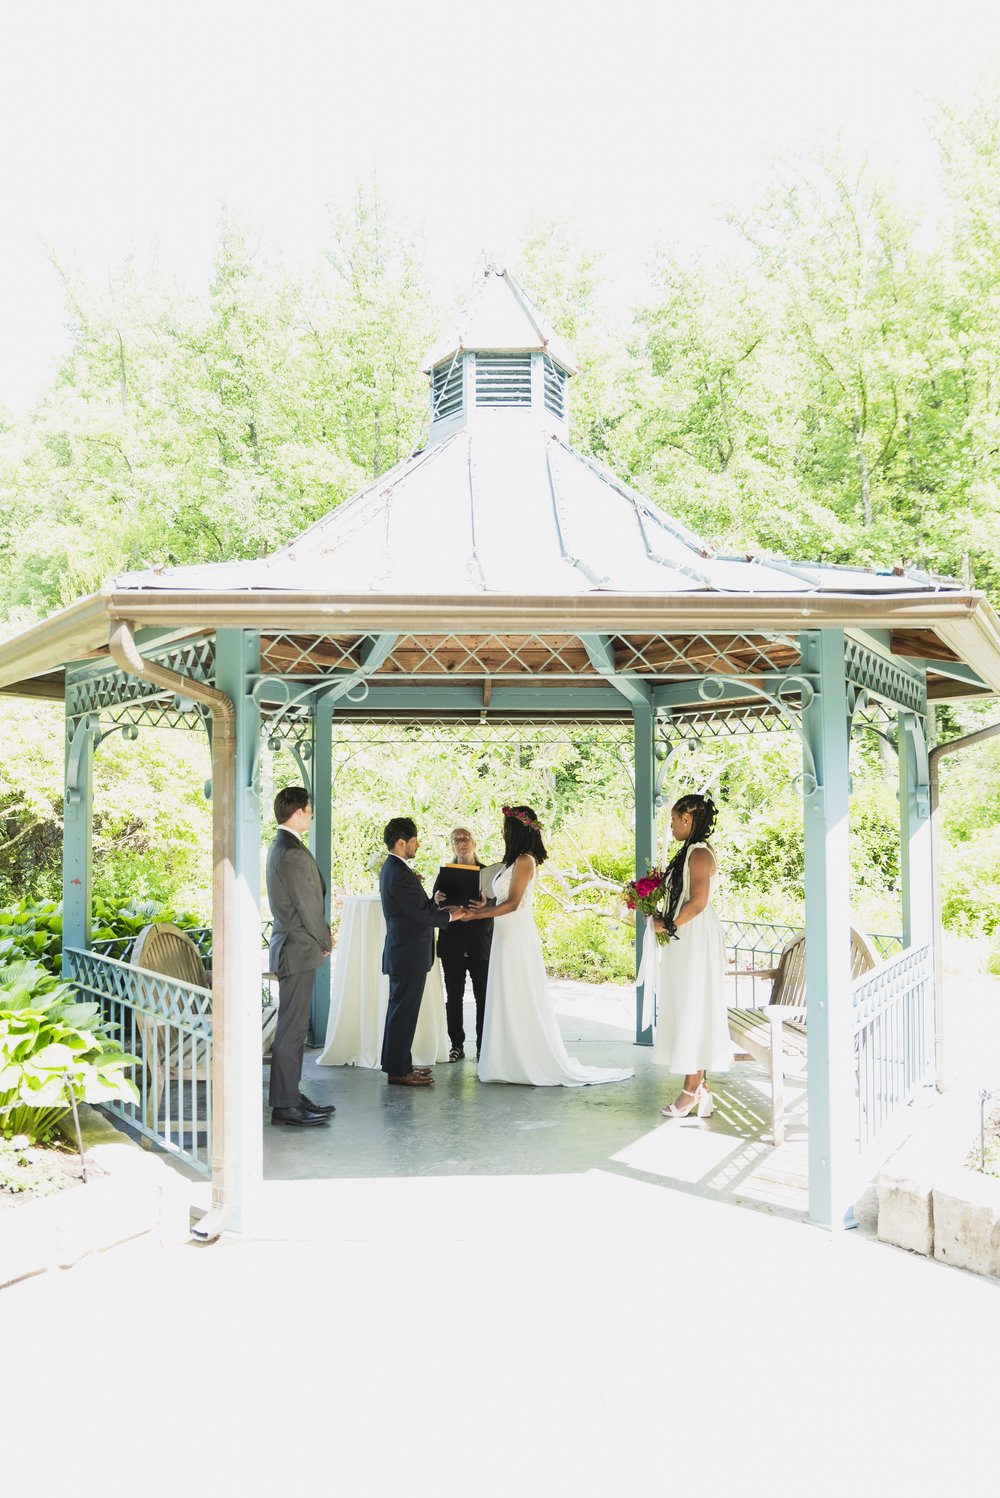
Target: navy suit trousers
(405, 993)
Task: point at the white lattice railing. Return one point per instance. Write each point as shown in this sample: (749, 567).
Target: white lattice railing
(893, 1040)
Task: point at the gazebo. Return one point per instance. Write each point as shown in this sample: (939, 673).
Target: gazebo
(498, 576)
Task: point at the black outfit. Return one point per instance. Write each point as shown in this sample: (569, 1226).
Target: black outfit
(464, 947)
(407, 957)
(300, 942)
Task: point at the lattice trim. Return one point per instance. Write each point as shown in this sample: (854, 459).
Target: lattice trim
(873, 673)
(114, 688)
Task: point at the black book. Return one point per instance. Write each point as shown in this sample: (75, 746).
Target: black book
(458, 882)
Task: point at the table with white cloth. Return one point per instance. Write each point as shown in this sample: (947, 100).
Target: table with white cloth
(359, 995)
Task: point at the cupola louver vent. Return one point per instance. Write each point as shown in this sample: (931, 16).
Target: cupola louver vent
(446, 390)
(555, 389)
(503, 380)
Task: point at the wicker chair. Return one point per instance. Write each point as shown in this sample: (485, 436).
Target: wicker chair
(170, 1055)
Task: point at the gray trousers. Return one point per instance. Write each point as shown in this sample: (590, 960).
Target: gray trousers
(294, 1005)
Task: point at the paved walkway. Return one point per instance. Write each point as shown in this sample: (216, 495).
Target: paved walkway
(523, 1330)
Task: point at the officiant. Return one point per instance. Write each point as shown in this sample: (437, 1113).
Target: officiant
(464, 946)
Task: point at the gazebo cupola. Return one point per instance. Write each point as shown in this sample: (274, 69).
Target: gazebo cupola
(503, 361)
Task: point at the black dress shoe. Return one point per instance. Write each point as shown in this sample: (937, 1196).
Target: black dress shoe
(301, 1118)
(311, 1107)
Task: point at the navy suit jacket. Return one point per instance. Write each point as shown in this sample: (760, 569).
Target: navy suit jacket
(410, 919)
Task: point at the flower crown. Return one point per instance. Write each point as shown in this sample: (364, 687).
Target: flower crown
(521, 816)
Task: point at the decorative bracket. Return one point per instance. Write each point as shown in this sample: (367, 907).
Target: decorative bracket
(710, 690)
(84, 736)
(912, 726)
(602, 658)
(88, 736)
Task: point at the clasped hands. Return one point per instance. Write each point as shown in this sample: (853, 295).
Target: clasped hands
(461, 912)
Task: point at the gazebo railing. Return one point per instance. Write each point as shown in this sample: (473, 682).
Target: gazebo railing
(755, 945)
(893, 1042)
(168, 1024)
(750, 947)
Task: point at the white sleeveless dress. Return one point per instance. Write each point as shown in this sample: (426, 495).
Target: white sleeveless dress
(521, 1039)
(692, 1032)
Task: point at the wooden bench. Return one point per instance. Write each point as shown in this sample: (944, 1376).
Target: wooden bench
(775, 1034)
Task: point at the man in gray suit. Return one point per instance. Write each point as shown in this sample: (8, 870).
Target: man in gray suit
(300, 943)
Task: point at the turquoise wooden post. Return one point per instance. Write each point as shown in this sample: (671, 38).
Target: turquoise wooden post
(237, 660)
(78, 820)
(825, 727)
(915, 829)
(322, 840)
(645, 835)
(917, 863)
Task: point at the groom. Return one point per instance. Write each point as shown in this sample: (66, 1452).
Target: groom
(410, 918)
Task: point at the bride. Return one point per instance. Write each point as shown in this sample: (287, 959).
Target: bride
(521, 1039)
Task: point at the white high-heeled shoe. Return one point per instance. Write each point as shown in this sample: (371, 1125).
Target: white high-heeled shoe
(702, 1104)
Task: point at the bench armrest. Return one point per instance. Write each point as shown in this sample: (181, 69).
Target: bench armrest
(784, 1011)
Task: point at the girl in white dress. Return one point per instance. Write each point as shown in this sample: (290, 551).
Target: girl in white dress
(692, 1033)
(521, 1039)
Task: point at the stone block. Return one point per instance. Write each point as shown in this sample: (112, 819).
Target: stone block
(140, 1194)
(967, 1221)
(906, 1210)
(103, 1213)
(27, 1242)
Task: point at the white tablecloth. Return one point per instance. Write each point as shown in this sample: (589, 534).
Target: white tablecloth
(359, 995)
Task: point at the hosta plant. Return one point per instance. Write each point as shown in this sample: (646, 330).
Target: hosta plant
(34, 927)
(53, 1048)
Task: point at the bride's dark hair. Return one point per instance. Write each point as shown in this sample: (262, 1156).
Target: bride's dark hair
(522, 834)
(703, 814)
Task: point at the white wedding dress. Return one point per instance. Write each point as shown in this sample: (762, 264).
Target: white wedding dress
(692, 1029)
(521, 1039)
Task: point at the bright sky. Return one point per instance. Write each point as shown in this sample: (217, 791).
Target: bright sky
(127, 123)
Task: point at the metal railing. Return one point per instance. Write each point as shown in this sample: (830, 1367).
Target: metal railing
(755, 945)
(893, 1038)
(168, 1025)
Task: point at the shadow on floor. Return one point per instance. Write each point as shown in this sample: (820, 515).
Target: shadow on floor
(461, 1127)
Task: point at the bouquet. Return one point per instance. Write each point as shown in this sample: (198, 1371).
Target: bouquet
(646, 895)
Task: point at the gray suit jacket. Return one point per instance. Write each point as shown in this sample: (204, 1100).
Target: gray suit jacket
(296, 891)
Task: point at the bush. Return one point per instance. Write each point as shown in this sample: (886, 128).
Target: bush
(586, 947)
(51, 1048)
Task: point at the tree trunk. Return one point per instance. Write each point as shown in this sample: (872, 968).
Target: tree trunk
(866, 487)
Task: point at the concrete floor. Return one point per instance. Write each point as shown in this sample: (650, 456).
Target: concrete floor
(461, 1127)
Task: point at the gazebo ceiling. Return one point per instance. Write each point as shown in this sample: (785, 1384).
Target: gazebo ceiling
(472, 657)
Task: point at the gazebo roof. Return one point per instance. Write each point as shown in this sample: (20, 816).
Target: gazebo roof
(511, 511)
(498, 527)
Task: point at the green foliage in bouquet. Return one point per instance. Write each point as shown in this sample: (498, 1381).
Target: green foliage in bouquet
(52, 1048)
